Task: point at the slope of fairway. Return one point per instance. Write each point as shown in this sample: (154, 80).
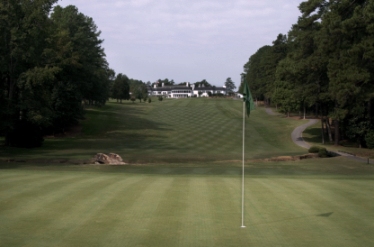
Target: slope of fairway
(286, 204)
(176, 131)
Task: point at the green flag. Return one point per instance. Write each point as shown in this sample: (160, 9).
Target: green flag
(247, 98)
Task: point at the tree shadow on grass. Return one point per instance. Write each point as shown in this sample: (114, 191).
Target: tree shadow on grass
(103, 131)
(312, 135)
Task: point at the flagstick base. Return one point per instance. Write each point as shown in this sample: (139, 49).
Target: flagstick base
(243, 226)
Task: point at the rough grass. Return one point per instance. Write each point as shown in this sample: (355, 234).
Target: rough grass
(287, 204)
(171, 131)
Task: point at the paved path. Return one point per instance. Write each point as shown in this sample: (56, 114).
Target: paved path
(297, 134)
(270, 111)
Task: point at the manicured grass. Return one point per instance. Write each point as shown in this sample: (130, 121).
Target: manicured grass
(287, 204)
(171, 131)
(183, 187)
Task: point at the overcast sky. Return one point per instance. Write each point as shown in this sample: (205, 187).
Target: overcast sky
(186, 40)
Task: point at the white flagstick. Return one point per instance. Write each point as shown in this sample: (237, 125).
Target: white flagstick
(243, 226)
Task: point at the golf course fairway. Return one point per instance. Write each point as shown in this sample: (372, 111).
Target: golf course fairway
(182, 184)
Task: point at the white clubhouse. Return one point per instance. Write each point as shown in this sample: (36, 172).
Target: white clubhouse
(185, 91)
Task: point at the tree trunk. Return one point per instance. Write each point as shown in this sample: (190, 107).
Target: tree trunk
(328, 126)
(370, 110)
(323, 132)
(304, 112)
(337, 134)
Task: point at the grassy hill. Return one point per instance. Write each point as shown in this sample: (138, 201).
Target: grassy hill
(172, 131)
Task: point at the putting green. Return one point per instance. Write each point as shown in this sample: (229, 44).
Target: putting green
(286, 204)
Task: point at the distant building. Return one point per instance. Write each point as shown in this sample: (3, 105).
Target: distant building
(186, 91)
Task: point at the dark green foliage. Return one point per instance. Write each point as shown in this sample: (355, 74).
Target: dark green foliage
(50, 63)
(369, 138)
(313, 149)
(25, 135)
(149, 100)
(322, 153)
(325, 65)
(121, 88)
(230, 86)
(202, 83)
(145, 97)
(160, 98)
(164, 82)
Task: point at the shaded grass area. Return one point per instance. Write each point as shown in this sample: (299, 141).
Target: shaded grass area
(171, 131)
(303, 203)
(312, 135)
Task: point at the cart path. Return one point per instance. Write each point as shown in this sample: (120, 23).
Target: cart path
(270, 111)
(297, 133)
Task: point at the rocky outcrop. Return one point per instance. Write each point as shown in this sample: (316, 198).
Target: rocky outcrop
(110, 159)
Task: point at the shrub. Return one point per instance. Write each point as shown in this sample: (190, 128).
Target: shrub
(314, 149)
(322, 153)
(160, 98)
(149, 100)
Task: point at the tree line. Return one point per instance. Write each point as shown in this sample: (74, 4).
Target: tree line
(52, 63)
(324, 64)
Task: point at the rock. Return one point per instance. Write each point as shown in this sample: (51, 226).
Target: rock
(110, 159)
(102, 158)
(115, 157)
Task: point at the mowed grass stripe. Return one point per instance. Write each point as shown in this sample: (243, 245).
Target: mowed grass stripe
(100, 221)
(198, 221)
(134, 213)
(300, 209)
(346, 201)
(48, 197)
(289, 214)
(358, 204)
(21, 182)
(166, 223)
(92, 194)
(225, 208)
(25, 192)
(193, 206)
